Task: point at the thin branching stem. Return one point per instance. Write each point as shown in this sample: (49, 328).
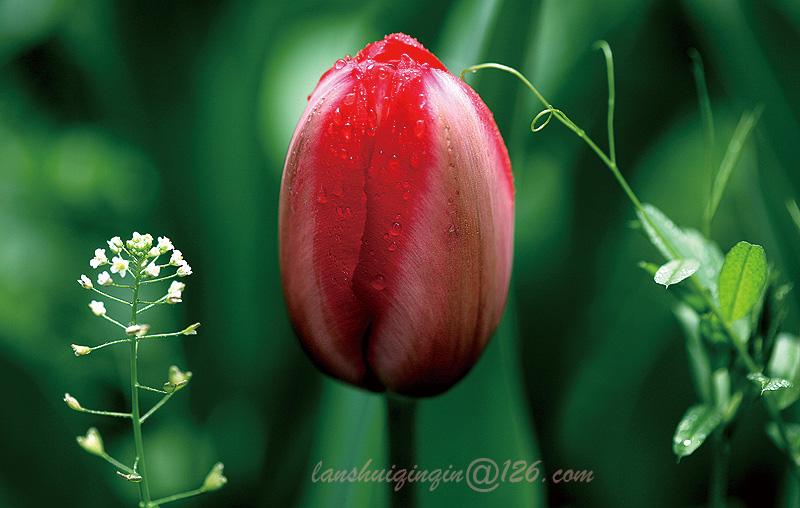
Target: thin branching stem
(748, 121)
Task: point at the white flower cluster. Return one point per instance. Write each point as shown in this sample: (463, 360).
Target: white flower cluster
(139, 255)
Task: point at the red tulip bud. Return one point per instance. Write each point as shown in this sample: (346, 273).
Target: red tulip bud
(396, 222)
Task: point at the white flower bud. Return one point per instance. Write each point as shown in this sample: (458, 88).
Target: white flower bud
(173, 298)
(176, 259)
(72, 402)
(104, 279)
(119, 265)
(115, 244)
(85, 282)
(152, 270)
(191, 330)
(81, 350)
(140, 243)
(176, 287)
(164, 245)
(184, 270)
(98, 308)
(99, 258)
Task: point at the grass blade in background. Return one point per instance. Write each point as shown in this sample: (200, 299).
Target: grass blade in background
(351, 434)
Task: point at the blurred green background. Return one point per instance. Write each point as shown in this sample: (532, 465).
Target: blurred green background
(172, 117)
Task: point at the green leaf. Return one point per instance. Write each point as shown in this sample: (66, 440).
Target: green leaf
(485, 415)
(785, 363)
(769, 384)
(697, 423)
(676, 243)
(793, 434)
(741, 280)
(698, 356)
(722, 389)
(675, 271)
(351, 434)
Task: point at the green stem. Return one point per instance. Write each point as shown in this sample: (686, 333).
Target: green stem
(401, 416)
(158, 405)
(105, 413)
(119, 465)
(144, 488)
(610, 161)
(176, 497)
(120, 300)
(719, 468)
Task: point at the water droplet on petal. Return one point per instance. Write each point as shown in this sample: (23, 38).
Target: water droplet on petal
(396, 229)
(379, 282)
(422, 100)
(419, 128)
(347, 131)
(340, 63)
(393, 163)
(338, 119)
(382, 74)
(349, 99)
(393, 246)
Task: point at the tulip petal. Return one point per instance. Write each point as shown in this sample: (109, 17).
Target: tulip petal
(441, 221)
(322, 218)
(396, 222)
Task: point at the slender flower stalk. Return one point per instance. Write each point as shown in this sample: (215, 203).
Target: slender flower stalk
(137, 258)
(144, 488)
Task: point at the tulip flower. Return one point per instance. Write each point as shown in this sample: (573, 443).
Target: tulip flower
(396, 222)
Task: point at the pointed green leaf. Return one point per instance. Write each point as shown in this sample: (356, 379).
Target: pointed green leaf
(785, 364)
(675, 271)
(776, 383)
(741, 280)
(769, 384)
(351, 434)
(676, 243)
(485, 415)
(697, 423)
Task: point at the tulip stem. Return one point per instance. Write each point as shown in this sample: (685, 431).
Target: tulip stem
(401, 417)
